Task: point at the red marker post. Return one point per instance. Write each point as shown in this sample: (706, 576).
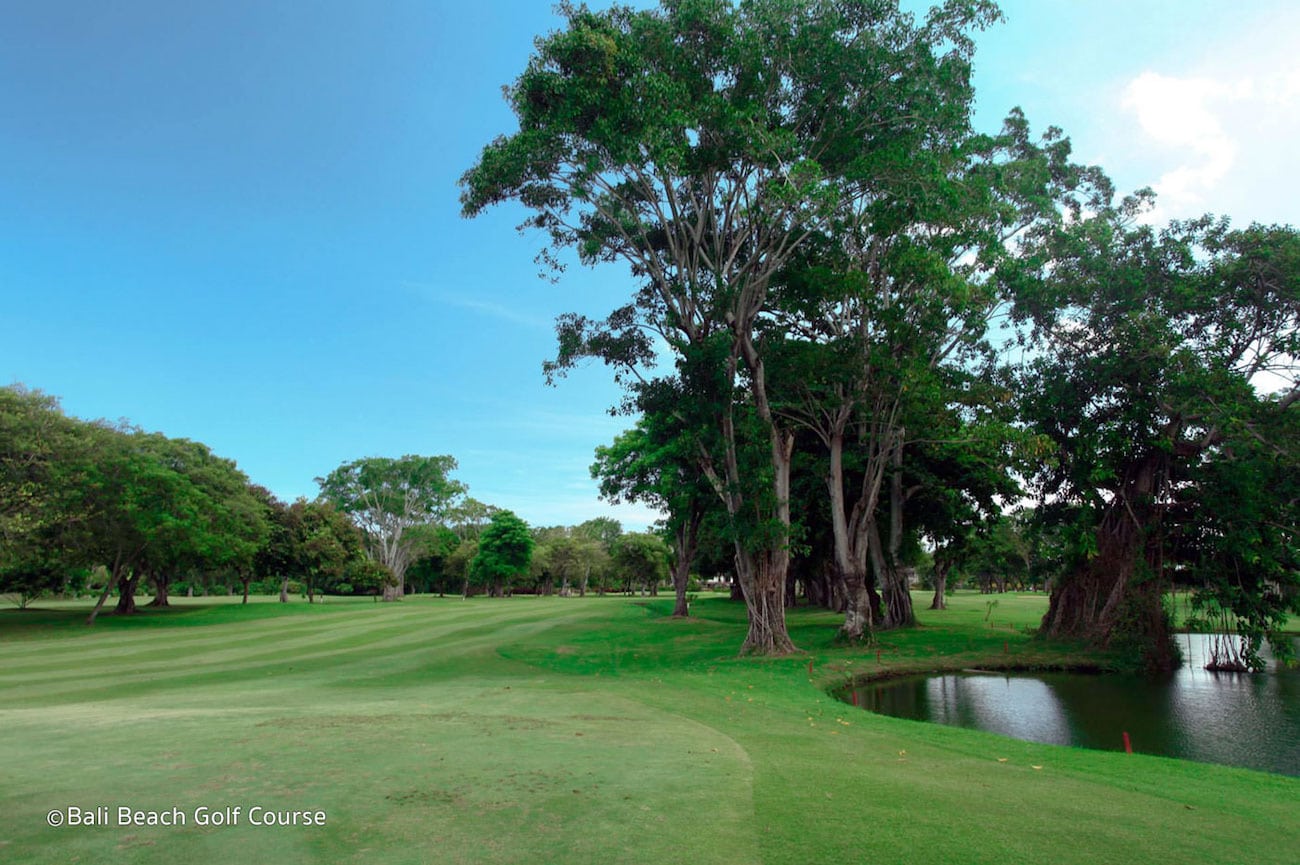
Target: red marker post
(1128, 746)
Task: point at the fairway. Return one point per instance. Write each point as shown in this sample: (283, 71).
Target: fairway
(550, 730)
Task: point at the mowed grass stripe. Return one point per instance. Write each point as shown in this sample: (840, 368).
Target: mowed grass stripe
(379, 648)
(200, 627)
(141, 649)
(161, 662)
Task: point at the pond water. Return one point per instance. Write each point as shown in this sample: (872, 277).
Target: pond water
(1231, 718)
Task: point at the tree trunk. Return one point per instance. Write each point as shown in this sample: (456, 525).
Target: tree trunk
(858, 619)
(126, 596)
(940, 601)
(1116, 597)
(118, 569)
(852, 541)
(681, 609)
(762, 577)
(761, 573)
(893, 576)
(284, 590)
(161, 584)
(246, 580)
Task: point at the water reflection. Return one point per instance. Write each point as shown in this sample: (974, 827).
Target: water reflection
(1235, 719)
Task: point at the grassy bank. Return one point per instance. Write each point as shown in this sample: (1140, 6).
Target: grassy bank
(547, 730)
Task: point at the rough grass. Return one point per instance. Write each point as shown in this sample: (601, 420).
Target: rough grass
(547, 730)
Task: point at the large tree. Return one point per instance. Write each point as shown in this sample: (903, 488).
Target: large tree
(505, 552)
(388, 497)
(702, 144)
(326, 549)
(877, 325)
(1167, 376)
(143, 512)
(222, 531)
(43, 457)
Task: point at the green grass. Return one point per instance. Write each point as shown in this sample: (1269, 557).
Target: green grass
(548, 730)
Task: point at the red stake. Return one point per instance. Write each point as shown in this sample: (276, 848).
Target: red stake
(1128, 746)
(810, 668)
(855, 696)
(877, 656)
(1005, 648)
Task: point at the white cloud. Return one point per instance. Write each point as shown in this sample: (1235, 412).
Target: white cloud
(1223, 133)
(1178, 113)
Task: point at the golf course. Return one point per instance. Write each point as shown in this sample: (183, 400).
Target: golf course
(549, 730)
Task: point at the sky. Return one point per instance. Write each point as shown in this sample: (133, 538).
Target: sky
(239, 223)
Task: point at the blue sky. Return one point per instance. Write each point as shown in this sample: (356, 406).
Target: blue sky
(238, 222)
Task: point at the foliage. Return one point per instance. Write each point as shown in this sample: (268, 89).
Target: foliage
(842, 246)
(1166, 376)
(389, 497)
(641, 559)
(327, 550)
(505, 551)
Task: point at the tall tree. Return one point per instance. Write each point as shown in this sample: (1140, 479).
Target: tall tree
(702, 144)
(876, 323)
(387, 497)
(274, 556)
(1167, 365)
(142, 510)
(595, 539)
(43, 468)
(505, 551)
(225, 527)
(327, 548)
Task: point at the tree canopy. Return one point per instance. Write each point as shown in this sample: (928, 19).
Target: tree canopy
(705, 144)
(388, 497)
(1167, 376)
(505, 551)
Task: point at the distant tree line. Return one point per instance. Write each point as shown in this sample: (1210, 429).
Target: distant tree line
(90, 506)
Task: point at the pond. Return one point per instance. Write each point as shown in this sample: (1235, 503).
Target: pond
(1231, 718)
